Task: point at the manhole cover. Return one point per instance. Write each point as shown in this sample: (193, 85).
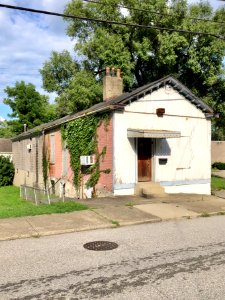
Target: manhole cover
(100, 246)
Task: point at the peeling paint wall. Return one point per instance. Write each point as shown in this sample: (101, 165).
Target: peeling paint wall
(188, 157)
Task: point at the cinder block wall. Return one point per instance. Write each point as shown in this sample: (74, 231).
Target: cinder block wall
(218, 151)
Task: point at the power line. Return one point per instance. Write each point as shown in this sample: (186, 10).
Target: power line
(152, 11)
(110, 21)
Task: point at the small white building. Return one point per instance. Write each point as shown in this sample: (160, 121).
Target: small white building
(162, 135)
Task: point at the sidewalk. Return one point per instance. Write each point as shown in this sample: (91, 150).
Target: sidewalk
(112, 212)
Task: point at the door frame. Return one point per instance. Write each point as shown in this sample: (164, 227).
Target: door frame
(153, 147)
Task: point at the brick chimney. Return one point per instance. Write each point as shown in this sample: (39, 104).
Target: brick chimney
(112, 84)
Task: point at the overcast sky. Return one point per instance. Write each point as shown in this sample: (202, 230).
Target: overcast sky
(27, 39)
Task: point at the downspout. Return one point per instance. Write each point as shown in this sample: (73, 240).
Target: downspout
(36, 160)
(113, 151)
(43, 151)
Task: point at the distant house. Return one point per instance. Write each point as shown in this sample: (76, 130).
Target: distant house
(159, 133)
(6, 147)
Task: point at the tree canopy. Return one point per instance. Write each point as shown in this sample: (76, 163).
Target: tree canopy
(5, 130)
(58, 71)
(82, 92)
(147, 54)
(28, 107)
(142, 54)
(76, 87)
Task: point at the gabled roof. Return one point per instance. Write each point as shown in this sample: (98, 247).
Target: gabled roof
(5, 146)
(120, 101)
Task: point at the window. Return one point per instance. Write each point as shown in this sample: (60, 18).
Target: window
(64, 161)
(52, 148)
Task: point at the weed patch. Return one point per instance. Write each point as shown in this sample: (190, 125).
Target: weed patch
(130, 204)
(204, 215)
(114, 222)
(221, 213)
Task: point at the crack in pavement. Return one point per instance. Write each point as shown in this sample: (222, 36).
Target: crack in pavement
(32, 226)
(114, 278)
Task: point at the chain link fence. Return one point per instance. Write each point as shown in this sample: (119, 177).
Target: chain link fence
(38, 196)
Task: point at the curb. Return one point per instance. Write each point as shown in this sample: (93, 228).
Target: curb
(38, 234)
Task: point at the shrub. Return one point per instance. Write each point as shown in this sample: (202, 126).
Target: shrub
(6, 171)
(219, 166)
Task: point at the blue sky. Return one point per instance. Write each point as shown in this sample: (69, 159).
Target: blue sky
(27, 40)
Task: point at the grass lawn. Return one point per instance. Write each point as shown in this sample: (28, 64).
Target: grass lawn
(217, 183)
(12, 206)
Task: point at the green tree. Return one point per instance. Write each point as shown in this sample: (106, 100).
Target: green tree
(216, 101)
(58, 71)
(28, 107)
(6, 171)
(5, 130)
(142, 54)
(75, 86)
(82, 92)
(145, 55)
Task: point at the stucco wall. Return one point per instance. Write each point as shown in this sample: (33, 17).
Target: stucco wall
(218, 151)
(188, 157)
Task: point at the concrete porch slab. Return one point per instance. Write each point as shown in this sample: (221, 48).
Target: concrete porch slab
(166, 211)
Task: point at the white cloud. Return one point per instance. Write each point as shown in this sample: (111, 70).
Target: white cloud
(27, 40)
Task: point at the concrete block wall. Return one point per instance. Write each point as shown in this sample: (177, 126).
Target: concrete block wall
(218, 151)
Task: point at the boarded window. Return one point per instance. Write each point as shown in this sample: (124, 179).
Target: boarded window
(64, 161)
(52, 148)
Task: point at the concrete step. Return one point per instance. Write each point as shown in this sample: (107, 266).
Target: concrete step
(150, 190)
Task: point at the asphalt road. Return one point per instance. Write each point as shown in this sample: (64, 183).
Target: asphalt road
(170, 260)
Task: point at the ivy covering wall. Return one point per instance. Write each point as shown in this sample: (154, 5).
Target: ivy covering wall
(80, 135)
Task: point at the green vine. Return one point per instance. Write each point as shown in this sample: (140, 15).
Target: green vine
(81, 138)
(95, 170)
